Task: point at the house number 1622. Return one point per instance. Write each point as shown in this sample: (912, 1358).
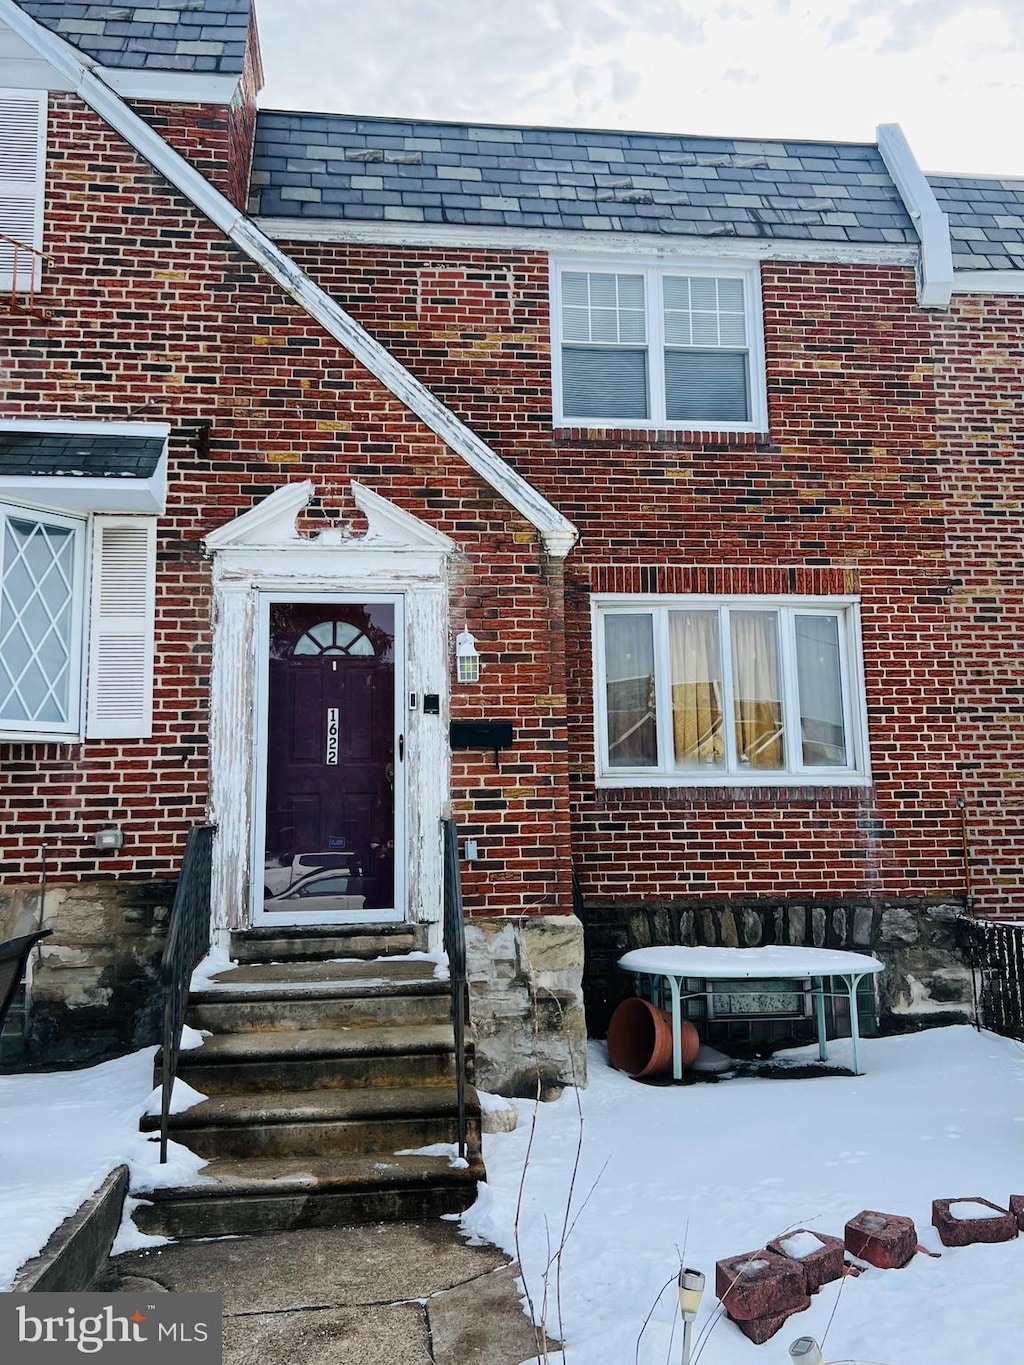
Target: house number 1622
(332, 734)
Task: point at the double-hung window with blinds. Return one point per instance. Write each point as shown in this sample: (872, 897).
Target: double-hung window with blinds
(658, 347)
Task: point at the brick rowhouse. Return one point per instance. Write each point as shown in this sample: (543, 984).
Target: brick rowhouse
(886, 471)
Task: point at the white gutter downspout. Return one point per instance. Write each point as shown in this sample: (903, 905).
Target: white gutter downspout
(557, 532)
(935, 269)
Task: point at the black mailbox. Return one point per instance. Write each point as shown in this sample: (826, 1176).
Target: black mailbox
(481, 734)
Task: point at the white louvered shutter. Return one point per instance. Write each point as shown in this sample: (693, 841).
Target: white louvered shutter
(120, 688)
(22, 161)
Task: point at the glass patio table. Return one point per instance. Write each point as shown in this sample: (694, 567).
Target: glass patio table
(674, 965)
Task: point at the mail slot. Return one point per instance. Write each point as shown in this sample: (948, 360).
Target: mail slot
(480, 734)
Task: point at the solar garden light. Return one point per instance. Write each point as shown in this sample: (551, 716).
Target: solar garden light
(805, 1351)
(691, 1287)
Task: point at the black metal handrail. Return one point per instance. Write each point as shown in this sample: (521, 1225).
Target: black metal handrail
(187, 943)
(994, 951)
(455, 947)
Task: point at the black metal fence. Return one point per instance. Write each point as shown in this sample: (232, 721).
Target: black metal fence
(455, 947)
(995, 952)
(188, 941)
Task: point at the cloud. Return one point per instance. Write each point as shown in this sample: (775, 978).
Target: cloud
(462, 58)
(950, 71)
(903, 26)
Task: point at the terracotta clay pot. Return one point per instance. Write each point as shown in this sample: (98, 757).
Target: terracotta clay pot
(640, 1039)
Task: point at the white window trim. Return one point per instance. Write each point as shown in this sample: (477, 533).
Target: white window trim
(87, 628)
(749, 273)
(856, 774)
(71, 729)
(28, 276)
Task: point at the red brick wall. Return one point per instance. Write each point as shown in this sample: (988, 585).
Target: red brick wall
(155, 317)
(980, 353)
(887, 467)
(847, 491)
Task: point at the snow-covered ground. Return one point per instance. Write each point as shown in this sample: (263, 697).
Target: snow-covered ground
(710, 1171)
(697, 1173)
(61, 1134)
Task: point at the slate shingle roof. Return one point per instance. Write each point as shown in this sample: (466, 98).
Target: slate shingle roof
(27, 454)
(986, 220)
(160, 35)
(326, 166)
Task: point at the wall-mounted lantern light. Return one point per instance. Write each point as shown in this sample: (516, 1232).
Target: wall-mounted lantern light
(467, 660)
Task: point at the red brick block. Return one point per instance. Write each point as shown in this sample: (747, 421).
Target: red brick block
(1017, 1209)
(885, 1240)
(953, 1220)
(819, 1267)
(759, 1284)
(759, 1330)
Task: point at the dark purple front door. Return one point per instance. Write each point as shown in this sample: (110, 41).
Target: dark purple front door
(330, 812)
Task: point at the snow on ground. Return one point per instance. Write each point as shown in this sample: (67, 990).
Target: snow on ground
(61, 1134)
(701, 1172)
(710, 1171)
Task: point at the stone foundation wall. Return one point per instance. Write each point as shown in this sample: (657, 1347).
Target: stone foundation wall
(925, 982)
(93, 984)
(526, 1003)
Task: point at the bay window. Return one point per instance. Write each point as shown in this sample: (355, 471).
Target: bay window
(736, 691)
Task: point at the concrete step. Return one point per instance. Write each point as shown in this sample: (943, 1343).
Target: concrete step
(317, 1059)
(324, 1122)
(233, 1197)
(310, 942)
(305, 995)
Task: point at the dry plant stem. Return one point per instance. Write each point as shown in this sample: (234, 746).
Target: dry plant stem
(566, 1226)
(828, 1325)
(537, 1327)
(707, 1329)
(646, 1322)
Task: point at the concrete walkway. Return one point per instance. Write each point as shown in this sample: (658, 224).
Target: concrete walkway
(383, 1294)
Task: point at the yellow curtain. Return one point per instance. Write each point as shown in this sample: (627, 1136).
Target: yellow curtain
(757, 689)
(697, 730)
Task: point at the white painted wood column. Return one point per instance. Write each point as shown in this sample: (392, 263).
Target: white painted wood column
(232, 745)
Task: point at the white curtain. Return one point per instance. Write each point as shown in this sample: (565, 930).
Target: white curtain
(820, 681)
(757, 689)
(697, 730)
(630, 691)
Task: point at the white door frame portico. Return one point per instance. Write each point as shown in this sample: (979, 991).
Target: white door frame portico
(262, 552)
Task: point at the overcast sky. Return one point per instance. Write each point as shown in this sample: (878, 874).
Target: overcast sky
(950, 72)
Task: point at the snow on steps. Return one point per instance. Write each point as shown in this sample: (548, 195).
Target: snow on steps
(316, 1076)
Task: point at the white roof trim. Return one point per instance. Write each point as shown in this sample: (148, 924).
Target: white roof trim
(988, 281)
(273, 523)
(557, 532)
(183, 87)
(270, 522)
(565, 241)
(935, 270)
(392, 528)
(79, 492)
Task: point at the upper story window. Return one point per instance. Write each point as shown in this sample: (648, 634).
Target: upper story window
(741, 691)
(22, 164)
(658, 346)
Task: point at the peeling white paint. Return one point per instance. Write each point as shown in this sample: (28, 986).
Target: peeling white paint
(261, 553)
